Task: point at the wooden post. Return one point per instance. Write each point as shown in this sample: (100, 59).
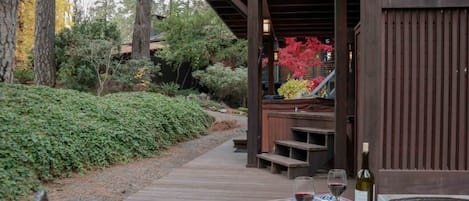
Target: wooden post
(270, 57)
(369, 117)
(341, 69)
(254, 73)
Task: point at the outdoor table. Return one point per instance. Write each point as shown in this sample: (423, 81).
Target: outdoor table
(319, 197)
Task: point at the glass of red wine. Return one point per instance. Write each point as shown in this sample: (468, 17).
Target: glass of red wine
(303, 188)
(337, 182)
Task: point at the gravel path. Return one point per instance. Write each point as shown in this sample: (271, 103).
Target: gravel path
(120, 181)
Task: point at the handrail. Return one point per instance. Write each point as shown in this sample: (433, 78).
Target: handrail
(327, 82)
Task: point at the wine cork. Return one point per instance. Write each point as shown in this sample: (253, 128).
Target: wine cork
(365, 147)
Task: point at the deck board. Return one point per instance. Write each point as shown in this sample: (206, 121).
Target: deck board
(221, 175)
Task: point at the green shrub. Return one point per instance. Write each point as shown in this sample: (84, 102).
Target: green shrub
(137, 71)
(169, 88)
(224, 82)
(205, 102)
(243, 109)
(24, 75)
(292, 87)
(73, 49)
(187, 92)
(48, 133)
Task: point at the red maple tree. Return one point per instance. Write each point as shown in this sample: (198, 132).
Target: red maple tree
(297, 56)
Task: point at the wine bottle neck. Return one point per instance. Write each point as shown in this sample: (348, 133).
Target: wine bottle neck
(365, 160)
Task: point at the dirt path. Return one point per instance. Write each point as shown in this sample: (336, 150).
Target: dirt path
(120, 181)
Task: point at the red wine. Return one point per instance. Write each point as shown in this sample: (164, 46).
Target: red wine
(337, 189)
(304, 196)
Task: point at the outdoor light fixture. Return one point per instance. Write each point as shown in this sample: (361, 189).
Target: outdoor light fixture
(266, 26)
(350, 53)
(276, 56)
(275, 50)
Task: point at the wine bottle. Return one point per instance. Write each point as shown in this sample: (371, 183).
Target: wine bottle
(364, 187)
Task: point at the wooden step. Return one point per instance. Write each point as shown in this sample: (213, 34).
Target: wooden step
(281, 164)
(282, 160)
(240, 144)
(301, 145)
(313, 130)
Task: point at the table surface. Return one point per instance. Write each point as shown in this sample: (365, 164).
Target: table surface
(320, 197)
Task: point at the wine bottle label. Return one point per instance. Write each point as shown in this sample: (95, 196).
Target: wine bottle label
(361, 195)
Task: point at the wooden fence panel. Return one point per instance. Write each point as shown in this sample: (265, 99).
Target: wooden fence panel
(425, 103)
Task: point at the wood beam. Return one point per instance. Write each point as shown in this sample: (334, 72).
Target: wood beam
(240, 6)
(370, 84)
(341, 69)
(425, 3)
(270, 57)
(254, 88)
(305, 33)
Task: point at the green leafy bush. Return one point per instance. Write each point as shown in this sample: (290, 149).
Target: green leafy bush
(24, 75)
(75, 56)
(48, 133)
(224, 82)
(187, 92)
(204, 102)
(196, 35)
(292, 87)
(137, 71)
(169, 88)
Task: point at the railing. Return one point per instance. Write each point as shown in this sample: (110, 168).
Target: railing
(326, 89)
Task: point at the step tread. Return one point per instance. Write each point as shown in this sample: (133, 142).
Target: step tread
(240, 141)
(301, 145)
(282, 160)
(314, 130)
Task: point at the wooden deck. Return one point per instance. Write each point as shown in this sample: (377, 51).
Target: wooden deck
(221, 175)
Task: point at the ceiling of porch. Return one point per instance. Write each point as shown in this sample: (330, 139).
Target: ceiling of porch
(289, 17)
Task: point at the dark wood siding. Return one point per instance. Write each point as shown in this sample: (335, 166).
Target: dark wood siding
(425, 3)
(425, 112)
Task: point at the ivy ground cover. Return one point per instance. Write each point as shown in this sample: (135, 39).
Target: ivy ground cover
(49, 133)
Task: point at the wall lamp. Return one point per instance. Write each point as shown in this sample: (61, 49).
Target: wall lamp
(266, 26)
(276, 56)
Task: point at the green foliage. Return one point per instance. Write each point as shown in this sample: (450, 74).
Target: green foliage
(223, 81)
(24, 75)
(74, 46)
(137, 71)
(169, 88)
(195, 34)
(205, 102)
(49, 133)
(187, 92)
(235, 54)
(243, 109)
(292, 87)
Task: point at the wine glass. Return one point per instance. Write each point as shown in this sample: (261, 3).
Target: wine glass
(303, 188)
(337, 182)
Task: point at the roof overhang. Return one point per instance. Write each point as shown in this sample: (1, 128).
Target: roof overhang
(290, 18)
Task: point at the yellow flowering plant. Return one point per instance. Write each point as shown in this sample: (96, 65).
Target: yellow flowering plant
(292, 88)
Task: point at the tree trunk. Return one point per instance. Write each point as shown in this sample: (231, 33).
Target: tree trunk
(142, 27)
(8, 11)
(44, 55)
(77, 12)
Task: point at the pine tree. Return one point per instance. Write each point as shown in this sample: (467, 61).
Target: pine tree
(142, 28)
(8, 12)
(44, 55)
